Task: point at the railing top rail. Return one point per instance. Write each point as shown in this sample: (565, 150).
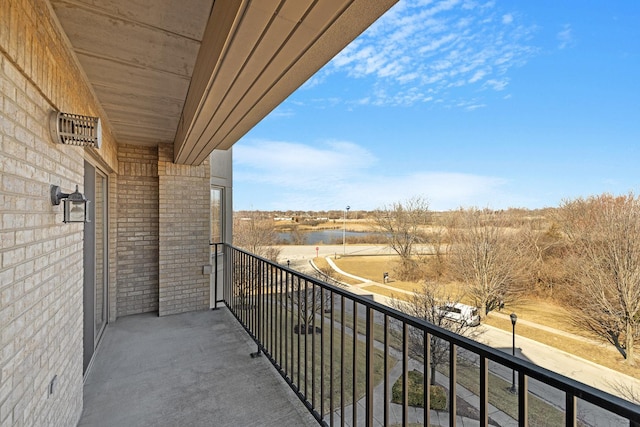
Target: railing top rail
(582, 391)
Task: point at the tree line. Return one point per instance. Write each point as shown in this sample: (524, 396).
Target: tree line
(585, 254)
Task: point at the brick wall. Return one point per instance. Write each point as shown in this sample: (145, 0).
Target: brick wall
(41, 264)
(137, 230)
(41, 259)
(158, 212)
(184, 234)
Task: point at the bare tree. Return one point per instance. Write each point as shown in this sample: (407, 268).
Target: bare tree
(440, 252)
(297, 237)
(402, 224)
(426, 304)
(489, 258)
(546, 248)
(626, 391)
(604, 232)
(306, 300)
(256, 235)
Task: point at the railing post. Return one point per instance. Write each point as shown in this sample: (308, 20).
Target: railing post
(257, 274)
(215, 275)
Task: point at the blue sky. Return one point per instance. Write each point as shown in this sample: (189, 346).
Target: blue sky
(465, 103)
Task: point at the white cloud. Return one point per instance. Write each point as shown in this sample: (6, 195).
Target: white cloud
(497, 85)
(335, 173)
(565, 37)
(297, 165)
(477, 76)
(428, 47)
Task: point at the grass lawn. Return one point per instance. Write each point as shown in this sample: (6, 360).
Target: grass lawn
(306, 364)
(539, 311)
(605, 355)
(540, 412)
(323, 265)
(369, 267)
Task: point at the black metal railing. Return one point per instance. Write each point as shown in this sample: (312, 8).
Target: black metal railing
(349, 358)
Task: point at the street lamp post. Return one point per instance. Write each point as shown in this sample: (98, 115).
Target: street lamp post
(514, 319)
(344, 230)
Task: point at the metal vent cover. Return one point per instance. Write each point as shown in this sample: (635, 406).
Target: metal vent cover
(74, 129)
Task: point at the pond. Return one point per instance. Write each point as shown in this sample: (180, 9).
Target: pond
(329, 237)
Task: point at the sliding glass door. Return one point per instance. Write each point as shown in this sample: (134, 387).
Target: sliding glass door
(96, 262)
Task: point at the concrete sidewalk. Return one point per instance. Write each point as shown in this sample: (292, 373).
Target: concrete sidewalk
(543, 355)
(551, 358)
(191, 369)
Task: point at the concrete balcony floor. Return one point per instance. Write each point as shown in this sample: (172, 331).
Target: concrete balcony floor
(190, 369)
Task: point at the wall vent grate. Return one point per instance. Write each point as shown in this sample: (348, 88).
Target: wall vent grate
(74, 129)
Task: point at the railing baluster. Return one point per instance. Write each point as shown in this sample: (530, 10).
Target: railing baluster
(386, 370)
(484, 391)
(297, 286)
(322, 332)
(427, 379)
(369, 380)
(405, 373)
(453, 355)
(523, 399)
(266, 299)
(354, 366)
(277, 306)
(570, 410)
(342, 345)
(269, 302)
(306, 335)
(313, 346)
(331, 355)
(256, 291)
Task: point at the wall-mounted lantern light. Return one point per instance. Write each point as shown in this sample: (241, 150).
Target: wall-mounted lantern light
(75, 204)
(74, 129)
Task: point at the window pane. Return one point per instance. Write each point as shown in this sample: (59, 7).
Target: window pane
(216, 215)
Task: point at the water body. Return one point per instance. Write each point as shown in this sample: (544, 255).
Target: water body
(327, 236)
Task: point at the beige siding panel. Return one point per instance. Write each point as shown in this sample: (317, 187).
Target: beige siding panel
(268, 63)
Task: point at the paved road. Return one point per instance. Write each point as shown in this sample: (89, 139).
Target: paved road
(538, 353)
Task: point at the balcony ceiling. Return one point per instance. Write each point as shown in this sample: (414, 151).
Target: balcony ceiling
(201, 73)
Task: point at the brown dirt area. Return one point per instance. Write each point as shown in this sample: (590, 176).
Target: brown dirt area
(540, 311)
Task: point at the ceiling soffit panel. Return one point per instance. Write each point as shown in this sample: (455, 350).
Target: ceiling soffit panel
(271, 48)
(186, 18)
(139, 56)
(127, 42)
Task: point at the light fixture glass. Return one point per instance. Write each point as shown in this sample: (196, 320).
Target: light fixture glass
(76, 206)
